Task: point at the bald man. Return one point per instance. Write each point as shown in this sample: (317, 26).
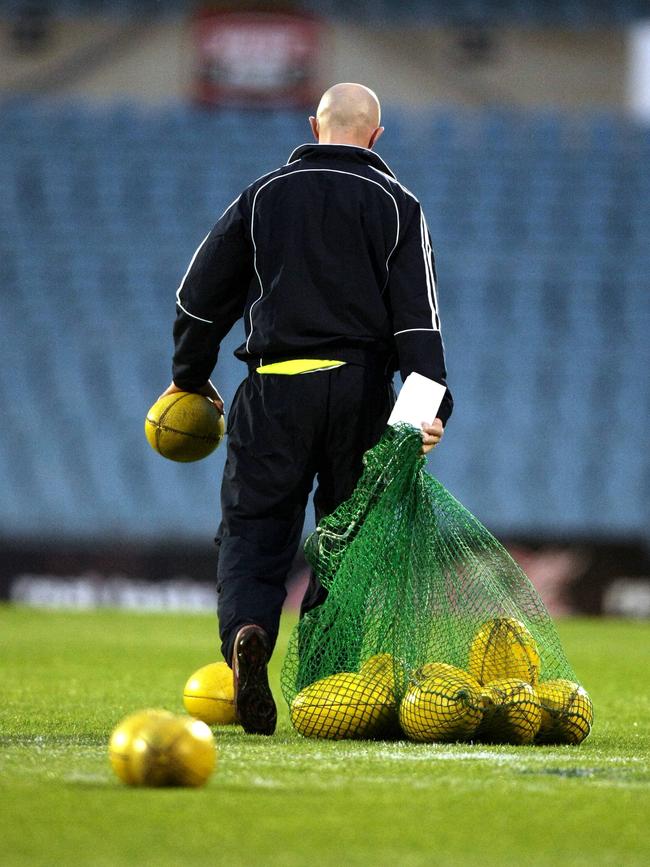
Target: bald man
(329, 261)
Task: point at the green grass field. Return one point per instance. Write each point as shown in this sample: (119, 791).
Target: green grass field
(70, 677)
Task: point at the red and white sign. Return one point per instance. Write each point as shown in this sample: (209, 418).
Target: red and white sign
(256, 58)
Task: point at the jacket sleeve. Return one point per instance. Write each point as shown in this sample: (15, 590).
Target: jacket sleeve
(211, 297)
(414, 305)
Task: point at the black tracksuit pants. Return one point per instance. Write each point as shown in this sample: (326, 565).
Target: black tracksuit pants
(284, 432)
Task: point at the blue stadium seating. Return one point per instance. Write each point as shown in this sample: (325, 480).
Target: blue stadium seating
(540, 223)
(571, 13)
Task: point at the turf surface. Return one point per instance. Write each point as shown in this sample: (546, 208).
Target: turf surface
(70, 677)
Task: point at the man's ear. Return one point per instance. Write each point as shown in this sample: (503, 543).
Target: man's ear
(373, 138)
(313, 123)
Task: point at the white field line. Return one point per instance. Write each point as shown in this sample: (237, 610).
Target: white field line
(431, 755)
(81, 777)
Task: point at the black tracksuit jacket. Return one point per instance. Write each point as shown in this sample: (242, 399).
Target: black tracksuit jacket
(327, 257)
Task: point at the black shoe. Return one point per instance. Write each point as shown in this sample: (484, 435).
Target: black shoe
(254, 703)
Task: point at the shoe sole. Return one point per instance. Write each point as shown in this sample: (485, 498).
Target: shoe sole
(254, 702)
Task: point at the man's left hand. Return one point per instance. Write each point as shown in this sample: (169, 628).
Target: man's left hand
(431, 435)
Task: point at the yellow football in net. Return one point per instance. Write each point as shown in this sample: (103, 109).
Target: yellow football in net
(442, 707)
(343, 706)
(440, 669)
(380, 667)
(503, 648)
(512, 713)
(567, 712)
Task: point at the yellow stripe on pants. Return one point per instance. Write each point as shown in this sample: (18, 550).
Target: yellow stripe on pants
(299, 365)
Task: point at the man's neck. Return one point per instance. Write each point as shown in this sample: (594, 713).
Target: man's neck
(342, 140)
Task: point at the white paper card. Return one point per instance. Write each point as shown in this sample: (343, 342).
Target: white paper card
(419, 400)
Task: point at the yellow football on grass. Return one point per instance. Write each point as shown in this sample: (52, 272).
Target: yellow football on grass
(157, 748)
(209, 694)
(567, 712)
(343, 706)
(443, 707)
(184, 427)
(511, 713)
(501, 649)
(121, 742)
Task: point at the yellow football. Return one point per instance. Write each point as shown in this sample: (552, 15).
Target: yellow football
(209, 695)
(121, 742)
(501, 649)
(440, 669)
(343, 706)
(157, 748)
(511, 713)
(567, 712)
(380, 667)
(184, 427)
(443, 707)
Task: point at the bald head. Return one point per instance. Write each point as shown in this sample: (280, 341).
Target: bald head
(348, 114)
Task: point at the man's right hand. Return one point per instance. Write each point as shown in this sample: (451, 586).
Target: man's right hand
(208, 390)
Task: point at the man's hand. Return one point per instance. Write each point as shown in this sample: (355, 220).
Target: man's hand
(431, 435)
(208, 390)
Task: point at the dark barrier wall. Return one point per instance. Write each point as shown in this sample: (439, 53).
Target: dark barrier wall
(584, 578)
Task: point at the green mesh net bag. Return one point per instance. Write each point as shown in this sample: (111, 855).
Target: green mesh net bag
(430, 630)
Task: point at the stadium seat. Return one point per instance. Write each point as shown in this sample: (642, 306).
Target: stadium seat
(540, 225)
(571, 13)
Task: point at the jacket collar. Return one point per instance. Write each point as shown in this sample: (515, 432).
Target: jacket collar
(352, 152)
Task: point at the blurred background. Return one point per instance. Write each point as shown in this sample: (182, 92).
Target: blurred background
(127, 127)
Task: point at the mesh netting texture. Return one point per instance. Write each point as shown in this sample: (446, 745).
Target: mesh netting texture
(430, 630)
